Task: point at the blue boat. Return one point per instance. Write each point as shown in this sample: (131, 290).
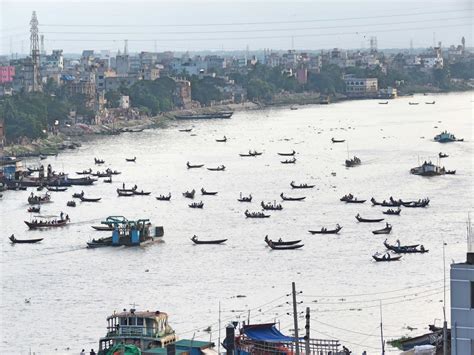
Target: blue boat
(128, 233)
(446, 137)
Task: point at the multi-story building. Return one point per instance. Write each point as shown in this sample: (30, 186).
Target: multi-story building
(462, 303)
(122, 64)
(182, 93)
(361, 87)
(7, 73)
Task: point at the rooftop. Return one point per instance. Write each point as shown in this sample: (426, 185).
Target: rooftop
(145, 314)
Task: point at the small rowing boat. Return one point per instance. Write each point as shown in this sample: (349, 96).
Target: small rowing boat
(24, 241)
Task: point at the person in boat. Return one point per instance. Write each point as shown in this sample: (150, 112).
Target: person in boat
(61, 215)
(280, 240)
(358, 215)
(422, 247)
(82, 193)
(398, 243)
(387, 225)
(135, 187)
(338, 226)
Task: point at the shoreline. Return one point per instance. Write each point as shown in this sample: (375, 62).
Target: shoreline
(72, 137)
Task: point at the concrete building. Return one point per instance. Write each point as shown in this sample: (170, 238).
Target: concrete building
(122, 64)
(182, 93)
(7, 73)
(462, 303)
(361, 87)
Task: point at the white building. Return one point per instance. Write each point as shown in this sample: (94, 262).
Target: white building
(361, 87)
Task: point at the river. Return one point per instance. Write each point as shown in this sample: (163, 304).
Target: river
(73, 289)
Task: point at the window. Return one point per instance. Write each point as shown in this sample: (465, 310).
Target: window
(472, 294)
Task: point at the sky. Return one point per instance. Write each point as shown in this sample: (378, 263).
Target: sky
(234, 25)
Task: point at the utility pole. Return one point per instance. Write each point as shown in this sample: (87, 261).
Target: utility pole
(445, 323)
(307, 336)
(295, 319)
(381, 330)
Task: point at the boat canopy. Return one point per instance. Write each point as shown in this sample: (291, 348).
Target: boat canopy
(267, 333)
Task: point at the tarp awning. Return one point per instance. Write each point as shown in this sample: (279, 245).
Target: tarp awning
(267, 333)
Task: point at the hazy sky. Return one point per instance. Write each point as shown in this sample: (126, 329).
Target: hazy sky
(200, 25)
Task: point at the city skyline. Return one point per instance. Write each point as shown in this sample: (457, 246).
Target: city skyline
(203, 26)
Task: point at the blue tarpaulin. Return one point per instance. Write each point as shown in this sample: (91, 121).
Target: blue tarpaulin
(267, 333)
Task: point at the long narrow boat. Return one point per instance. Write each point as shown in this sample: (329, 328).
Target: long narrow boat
(287, 154)
(196, 205)
(196, 166)
(48, 223)
(354, 200)
(81, 181)
(256, 214)
(219, 168)
(245, 198)
(368, 220)
(334, 140)
(281, 242)
(208, 193)
(386, 230)
(392, 212)
(284, 247)
(84, 172)
(216, 241)
(24, 241)
(131, 160)
(87, 199)
(223, 140)
(141, 193)
(289, 161)
(301, 186)
(125, 193)
(286, 198)
(164, 198)
(405, 249)
(384, 203)
(271, 206)
(189, 194)
(386, 257)
(56, 188)
(326, 231)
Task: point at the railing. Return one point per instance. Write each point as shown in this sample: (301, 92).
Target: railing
(316, 347)
(131, 330)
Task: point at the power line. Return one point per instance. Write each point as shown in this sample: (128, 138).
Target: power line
(258, 30)
(260, 22)
(362, 33)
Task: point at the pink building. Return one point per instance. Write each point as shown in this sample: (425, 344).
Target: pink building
(302, 75)
(6, 74)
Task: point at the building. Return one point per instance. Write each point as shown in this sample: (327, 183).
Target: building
(462, 302)
(122, 64)
(361, 87)
(6, 74)
(182, 93)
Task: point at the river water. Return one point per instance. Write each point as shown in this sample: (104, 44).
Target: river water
(73, 289)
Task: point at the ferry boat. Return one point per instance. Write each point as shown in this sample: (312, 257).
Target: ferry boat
(144, 330)
(428, 169)
(446, 137)
(147, 333)
(221, 114)
(127, 233)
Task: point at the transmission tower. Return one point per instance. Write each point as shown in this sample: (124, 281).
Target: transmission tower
(373, 44)
(35, 53)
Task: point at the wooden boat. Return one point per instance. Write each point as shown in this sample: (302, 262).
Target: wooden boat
(352, 162)
(34, 209)
(255, 214)
(99, 161)
(281, 242)
(368, 220)
(301, 186)
(131, 160)
(383, 103)
(285, 198)
(24, 241)
(416, 204)
(141, 193)
(284, 247)
(271, 206)
(247, 155)
(354, 200)
(386, 230)
(185, 130)
(84, 172)
(245, 198)
(115, 172)
(386, 257)
(406, 249)
(103, 228)
(450, 172)
(202, 116)
(287, 154)
(346, 197)
(87, 199)
(289, 161)
(384, 203)
(208, 193)
(101, 174)
(36, 200)
(413, 103)
(196, 205)
(219, 168)
(71, 203)
(223, 140)
(430, 103)
(334, 140)
(189, 194)
(164, 198)
(56, 188)
(327, 231)
(393, 212)
(125, 193)
(216, 241)
(443, 155)
(109, 180)
(255, 153)
(49, 222)
(81, 181)
(190, 166)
